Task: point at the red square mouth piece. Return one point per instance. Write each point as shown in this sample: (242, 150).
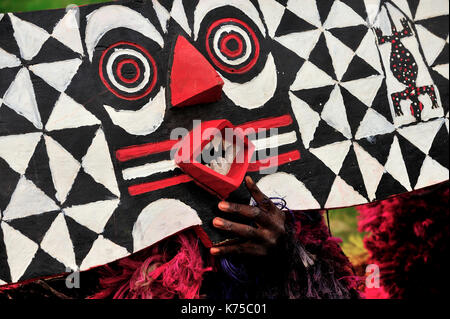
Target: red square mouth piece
(191, 148)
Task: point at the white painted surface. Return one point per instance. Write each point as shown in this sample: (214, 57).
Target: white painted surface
(288, 187)
(310, 77)
(29, 37)
(162, 219)
(332, 155)
(335, 113)
(371, 170)
(57, 243)
(93, 215)
(275, 141)
(179, 15)
(141, 122)
(343, 195)
(431, 173)
(21, 98)
(111, 17)
(341, 54)
(148, 169)
(28, 200)
(342, 16)
(17, 150)
(364, 89)
(372, 124)
(308, 39)
(307, 10)
(162, 14)
(20, 251)
(395, 165)
(67, 32)
(422, 134)
(63, 166)
(205, 6)
(57, 74)
(102, 252)
(69, 114)
(8, 60)
(431, 8)
(272, 12)
(307, 119)
(97, 163)
(256, 92)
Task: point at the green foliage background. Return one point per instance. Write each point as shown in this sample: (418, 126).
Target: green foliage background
(32, 5)
(343, 222)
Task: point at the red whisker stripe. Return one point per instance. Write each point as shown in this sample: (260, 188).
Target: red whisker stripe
(268, 123)
(274, 161)
(137, 151)
(180, 179)
(153, 186)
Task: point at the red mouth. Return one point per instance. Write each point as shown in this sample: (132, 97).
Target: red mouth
(222, 175)
(131, 153)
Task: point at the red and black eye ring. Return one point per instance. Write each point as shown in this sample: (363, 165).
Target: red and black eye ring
(128, 71)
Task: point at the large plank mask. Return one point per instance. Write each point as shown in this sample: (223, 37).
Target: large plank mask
(124, 123)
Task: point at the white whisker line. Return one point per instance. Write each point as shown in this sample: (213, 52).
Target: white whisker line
(148, 169)
(275, 141)
(169, 165)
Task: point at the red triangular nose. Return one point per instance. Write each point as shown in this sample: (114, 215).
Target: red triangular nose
(193, 80)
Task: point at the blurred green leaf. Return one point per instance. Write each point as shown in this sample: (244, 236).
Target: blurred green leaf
(32, 5)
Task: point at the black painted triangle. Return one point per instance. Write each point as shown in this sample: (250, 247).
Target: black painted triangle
(442, 57)
(82, 239)
(378, 146)
(292, 23)
(324, 7)
(413, 158)
(351, 173)
(7, 76)
(43, 265)
(356, 110)
(35, 227)
(320, 56)
(388, 186)
(12, 123)
(189, 9)
(316, 97)
(358, 69)
(440, 148)
(437, 25)
(52, 17)
(442, 84)
(325, 134)
(46, 96)
(283, 2)
(8, 183)
(75, 140)
(4, 266)
(350, 36)
(7, 40)
(358, 6)
(413, 4)
(86, 190)
(318, 178)
(39, 172)
(166, 4)
(47, 53)
(287, 62)
(381, 103)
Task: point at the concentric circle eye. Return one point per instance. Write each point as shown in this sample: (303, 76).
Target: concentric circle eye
(232, 45)
(128, 70)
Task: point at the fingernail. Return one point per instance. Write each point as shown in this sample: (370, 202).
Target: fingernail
(214, 251)
(218, 222)
(224, 205)
(249, 179)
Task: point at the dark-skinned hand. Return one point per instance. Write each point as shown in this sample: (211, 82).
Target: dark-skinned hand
(263, 238)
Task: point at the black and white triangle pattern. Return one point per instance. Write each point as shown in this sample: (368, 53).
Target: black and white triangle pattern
(340, 101)
(59, 183)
